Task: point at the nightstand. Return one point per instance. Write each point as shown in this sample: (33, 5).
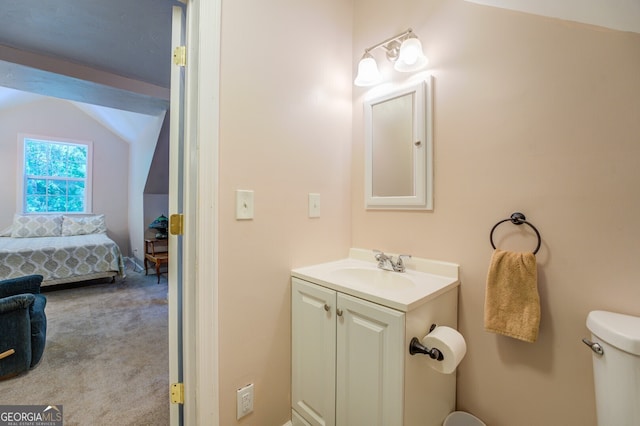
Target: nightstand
(157, 252)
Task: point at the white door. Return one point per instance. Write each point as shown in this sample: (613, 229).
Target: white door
(313, 348)
(369, 364)
(176, 205)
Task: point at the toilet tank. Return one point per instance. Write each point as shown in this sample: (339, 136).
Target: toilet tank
(616, 371)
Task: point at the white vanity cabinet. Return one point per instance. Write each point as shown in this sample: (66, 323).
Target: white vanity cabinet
(351, 327)
(347, 359)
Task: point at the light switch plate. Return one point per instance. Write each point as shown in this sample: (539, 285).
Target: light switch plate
(314, 205)
(244, 204)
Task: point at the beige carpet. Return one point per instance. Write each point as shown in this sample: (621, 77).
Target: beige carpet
(106, 357)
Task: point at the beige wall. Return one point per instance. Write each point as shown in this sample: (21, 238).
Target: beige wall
(535, 115)
(58, 118)
(285, 113)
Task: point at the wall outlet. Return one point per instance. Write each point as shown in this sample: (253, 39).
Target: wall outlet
(245, 400)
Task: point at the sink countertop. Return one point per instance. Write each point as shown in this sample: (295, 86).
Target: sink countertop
(423, 280)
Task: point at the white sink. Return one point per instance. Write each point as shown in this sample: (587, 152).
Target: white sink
(423, 280)
(373, 277)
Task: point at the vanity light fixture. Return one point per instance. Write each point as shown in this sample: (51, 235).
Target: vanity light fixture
(404, 49)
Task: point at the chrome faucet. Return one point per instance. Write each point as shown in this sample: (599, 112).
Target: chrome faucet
(386, 262)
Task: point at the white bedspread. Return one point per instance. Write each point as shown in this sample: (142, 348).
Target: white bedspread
(61, 259)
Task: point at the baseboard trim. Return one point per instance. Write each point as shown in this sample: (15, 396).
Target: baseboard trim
(134, 263)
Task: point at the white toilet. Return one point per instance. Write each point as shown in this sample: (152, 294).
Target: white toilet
(615, 341)
(461, 418)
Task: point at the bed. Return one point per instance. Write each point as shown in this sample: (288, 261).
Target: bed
(62, 249)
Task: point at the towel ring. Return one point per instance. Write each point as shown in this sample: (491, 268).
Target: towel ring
(516, 219)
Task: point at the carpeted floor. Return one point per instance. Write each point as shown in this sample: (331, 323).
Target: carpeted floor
(106, 357)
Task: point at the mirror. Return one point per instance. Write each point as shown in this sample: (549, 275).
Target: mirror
(399, 149)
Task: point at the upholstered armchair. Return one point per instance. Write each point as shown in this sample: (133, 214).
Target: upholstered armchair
(23, 324)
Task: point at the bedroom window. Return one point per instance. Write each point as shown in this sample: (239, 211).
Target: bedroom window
(57, 176)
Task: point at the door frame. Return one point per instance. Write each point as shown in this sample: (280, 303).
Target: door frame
(200, 292)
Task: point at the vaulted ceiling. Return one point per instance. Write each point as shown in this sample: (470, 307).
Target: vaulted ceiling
(96, 54)
(129, 39)
(623, 15)
(124, 37)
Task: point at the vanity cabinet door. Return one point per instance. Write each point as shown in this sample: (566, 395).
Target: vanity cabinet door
(370, 371)
(313, 359)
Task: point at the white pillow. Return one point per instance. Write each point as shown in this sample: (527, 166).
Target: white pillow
(83, 225)
(36, 225)
(6, 232)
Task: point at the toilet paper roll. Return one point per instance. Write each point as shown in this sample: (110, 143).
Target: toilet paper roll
(450, 343)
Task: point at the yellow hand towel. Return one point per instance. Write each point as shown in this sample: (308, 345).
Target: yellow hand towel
(512, 303)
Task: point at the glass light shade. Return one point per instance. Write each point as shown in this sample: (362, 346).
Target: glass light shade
(368, 73)
(411, 57)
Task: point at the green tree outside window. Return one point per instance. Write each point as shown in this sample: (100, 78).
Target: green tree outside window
(55, 176)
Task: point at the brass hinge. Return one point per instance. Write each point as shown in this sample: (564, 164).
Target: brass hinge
(176, 224)
(177, 393)
(180, 56)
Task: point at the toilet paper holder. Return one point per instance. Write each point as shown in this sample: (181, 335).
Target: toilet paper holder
(415, 347)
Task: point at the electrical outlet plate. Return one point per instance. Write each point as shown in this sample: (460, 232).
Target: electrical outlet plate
(245, 400)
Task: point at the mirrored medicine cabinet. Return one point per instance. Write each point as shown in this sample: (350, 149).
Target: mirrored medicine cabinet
(399, 148)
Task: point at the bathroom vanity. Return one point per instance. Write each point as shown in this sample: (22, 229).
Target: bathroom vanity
(351, 328)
